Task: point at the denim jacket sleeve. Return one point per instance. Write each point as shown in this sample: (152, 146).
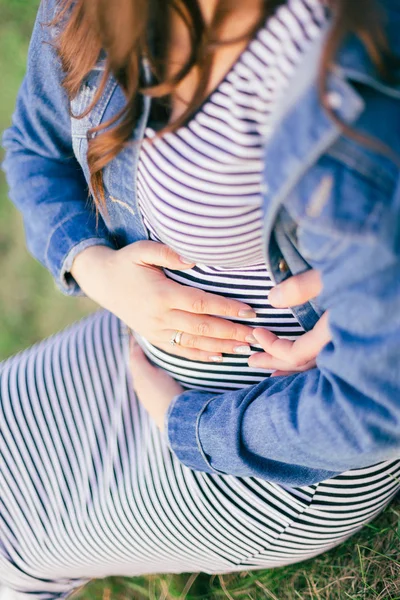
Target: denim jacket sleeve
(344, 414)
(46, 182)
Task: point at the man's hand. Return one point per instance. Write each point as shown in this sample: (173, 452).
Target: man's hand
(285, 356)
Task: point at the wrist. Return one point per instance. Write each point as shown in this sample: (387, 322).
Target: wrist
(90, 267)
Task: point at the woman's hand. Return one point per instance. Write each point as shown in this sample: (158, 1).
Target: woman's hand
(131, 284)
(154, 388)
(284, 355)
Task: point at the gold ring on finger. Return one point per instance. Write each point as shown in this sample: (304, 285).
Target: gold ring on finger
(176, 338)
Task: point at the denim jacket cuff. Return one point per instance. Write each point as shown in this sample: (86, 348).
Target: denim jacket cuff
(182, 429)
(63, 247)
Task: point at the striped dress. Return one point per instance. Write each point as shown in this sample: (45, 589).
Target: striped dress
(199, 189)
(88, 485)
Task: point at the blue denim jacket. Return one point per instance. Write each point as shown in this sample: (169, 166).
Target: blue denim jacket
(329, 202)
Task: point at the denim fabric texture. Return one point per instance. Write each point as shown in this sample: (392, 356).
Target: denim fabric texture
(329, 202)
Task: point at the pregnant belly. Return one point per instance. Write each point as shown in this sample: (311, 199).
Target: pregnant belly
(250, 285)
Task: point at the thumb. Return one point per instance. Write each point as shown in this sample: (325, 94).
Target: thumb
(146, 252)
(296, 290)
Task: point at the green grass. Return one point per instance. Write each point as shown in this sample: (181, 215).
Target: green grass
(367, 567)
(31, 307)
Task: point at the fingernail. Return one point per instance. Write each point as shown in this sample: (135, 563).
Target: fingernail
(215, 358)
(187, 261)
(275, 296)
(247, 314)
(251, 339)
(242, 350)
(255, 333)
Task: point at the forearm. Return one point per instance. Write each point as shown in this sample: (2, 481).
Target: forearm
(288, 429)
(254, 432)
(52, 198)
(46, 182)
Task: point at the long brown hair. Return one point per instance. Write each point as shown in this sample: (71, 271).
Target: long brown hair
(121, 29)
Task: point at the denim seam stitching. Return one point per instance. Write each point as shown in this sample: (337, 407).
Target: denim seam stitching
(68, 218)
(199, 444)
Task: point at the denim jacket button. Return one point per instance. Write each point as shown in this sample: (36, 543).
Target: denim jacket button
(283, 266)
(334, 99)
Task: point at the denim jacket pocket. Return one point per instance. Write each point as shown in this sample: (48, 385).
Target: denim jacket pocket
(80, 125)
(338, 203)
(80, 103)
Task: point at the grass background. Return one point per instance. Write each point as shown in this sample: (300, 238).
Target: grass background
(366, 567)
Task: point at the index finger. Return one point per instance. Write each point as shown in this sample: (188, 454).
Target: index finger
(200, 302)
(303, 350)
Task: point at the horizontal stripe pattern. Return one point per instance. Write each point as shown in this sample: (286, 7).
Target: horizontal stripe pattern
(251, 286)
(199, 189)
(89, 487)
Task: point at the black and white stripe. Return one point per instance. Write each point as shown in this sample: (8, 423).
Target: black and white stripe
(252, 286)
(199, 189)
(89, 487)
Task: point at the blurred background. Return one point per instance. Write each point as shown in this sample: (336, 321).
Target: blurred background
(31, 307)
(367, 567)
